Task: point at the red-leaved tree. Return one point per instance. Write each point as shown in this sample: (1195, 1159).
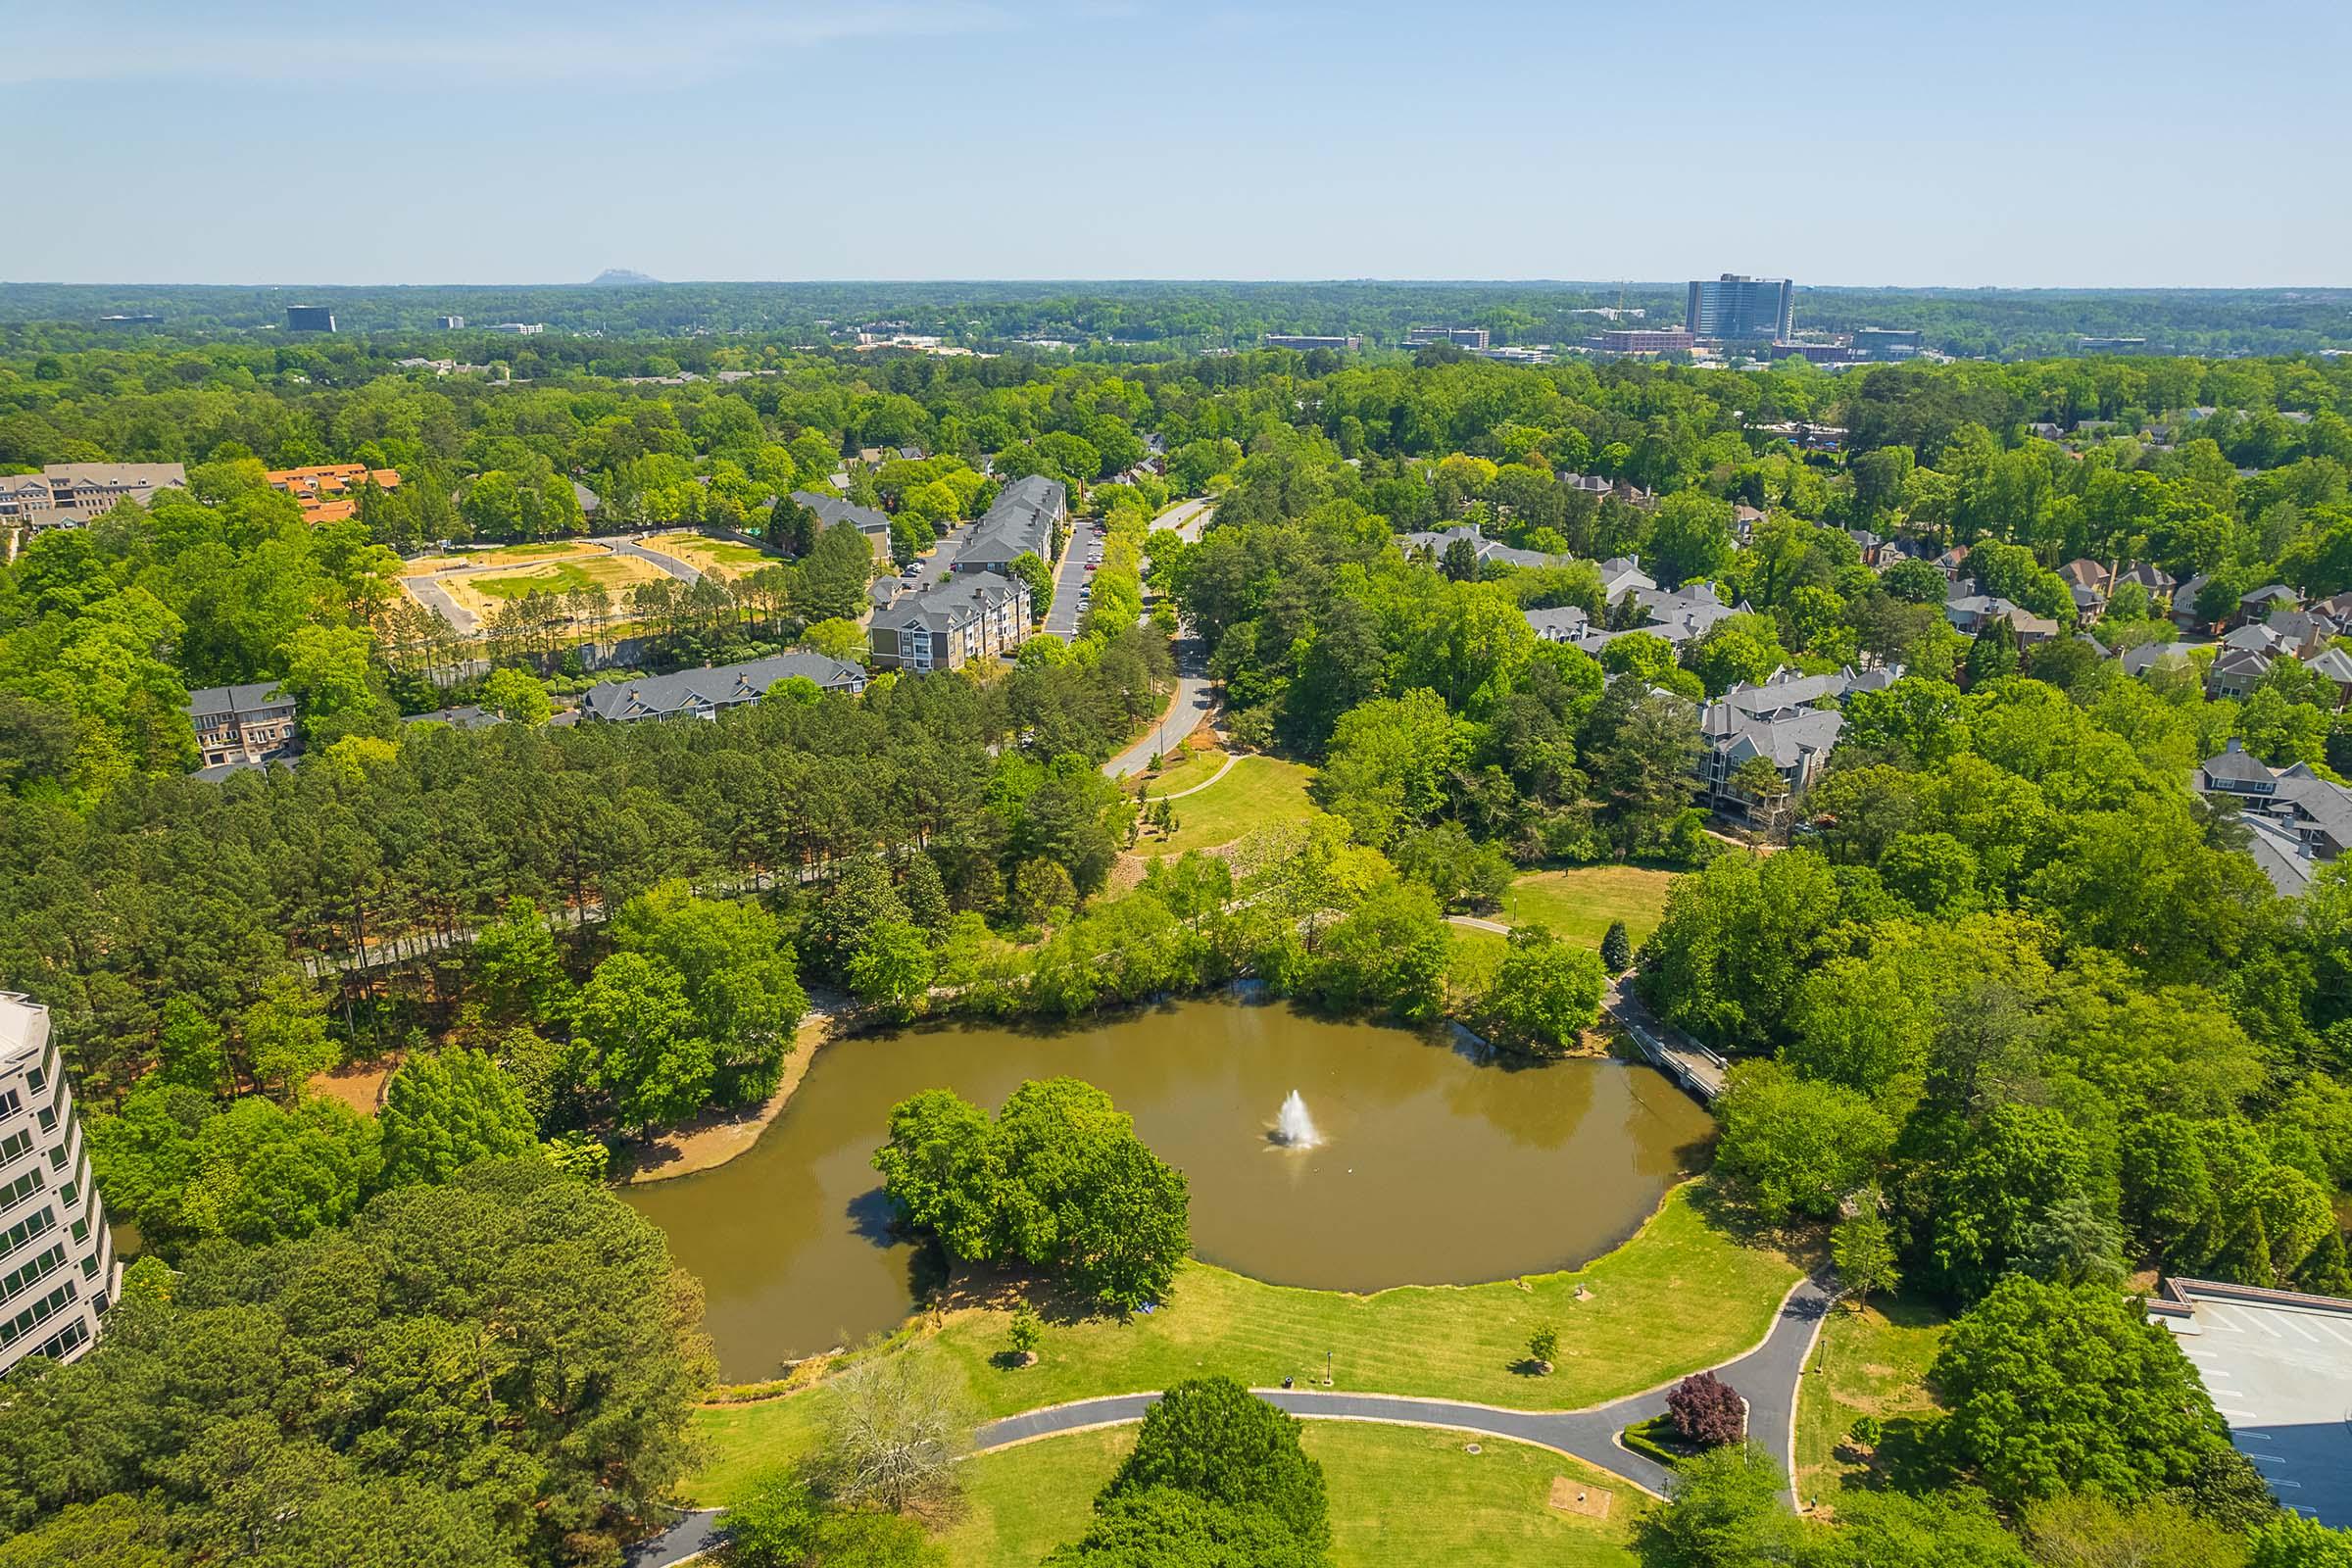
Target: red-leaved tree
(1706, 1410)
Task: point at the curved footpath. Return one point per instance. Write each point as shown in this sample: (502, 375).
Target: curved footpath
(1768, 1375)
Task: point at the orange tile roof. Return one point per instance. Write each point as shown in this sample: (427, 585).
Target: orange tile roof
(309, 485)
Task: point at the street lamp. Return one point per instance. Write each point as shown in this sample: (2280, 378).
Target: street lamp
(1327, 1369)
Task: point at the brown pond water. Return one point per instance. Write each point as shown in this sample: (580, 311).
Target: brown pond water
(1434, 1167)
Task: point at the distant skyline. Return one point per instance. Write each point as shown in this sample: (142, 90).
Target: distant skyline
(260, 141)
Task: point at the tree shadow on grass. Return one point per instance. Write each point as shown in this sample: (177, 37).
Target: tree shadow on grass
(1911, 1456)
(1726, 1210)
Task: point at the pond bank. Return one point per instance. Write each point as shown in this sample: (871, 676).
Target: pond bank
(711, 1140)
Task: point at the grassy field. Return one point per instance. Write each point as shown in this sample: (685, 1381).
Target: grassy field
(1873, 1363)
(1401, 1497)
(1184, 771)
(1580, 902)
(1682, 1295)
(725, 558)
(1259, 789)
(610, 573)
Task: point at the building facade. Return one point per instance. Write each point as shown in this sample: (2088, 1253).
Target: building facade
(327, 491)
(69, 494)
(1643, 340)
(242, 726)
(310, 319)
(1468, 337)
(1737, 307)
(58, 1269)
(1308, 340)
(980, 616)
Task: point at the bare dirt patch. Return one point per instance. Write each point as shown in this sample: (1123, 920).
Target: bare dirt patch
(1581, 1498)
(359, 1084)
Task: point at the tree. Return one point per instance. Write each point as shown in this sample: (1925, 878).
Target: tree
(328, 672)
(893, 1428)
(1616, 948)
(1546, 992)
(1459, 563)
(190, 1049)
(2089, 1531)
(1796, 1144)
(1390, 954)
(784, 1522)
(1025, 1333)
(1690, 537)
(737, 974)
(2291, 1541)
(892, 970)
(2068, 1388)
(446, 1110)
(1544, 1348)
(1726, 1512)
(1216, 1440)
(1863, 1250)
(283, 1035)
(1030, 567)
(518, 965)
(836, 639)
(644, 1048)
(517, 696)
(831, 581)
(1706, 1410)
(1163, 1527)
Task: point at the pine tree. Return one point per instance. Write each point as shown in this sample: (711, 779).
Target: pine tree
(924, 894)
(1617, 948)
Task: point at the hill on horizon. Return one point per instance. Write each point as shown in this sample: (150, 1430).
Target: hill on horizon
(619, 277)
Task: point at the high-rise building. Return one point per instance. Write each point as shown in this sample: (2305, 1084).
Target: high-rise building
(58, 1270)
(452, 323)
(310, 319)
(1736, 307)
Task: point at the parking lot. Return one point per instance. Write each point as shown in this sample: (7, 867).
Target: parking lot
(2279, 1371)
(1071, 577)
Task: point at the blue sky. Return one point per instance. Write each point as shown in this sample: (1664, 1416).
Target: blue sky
(524, 141)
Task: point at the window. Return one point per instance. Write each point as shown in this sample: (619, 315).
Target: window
(11, 1102)
(22, 1188)
(39, 1079)
(72, 1337)
(12, 1145)
(38, 1223)
(41, 1311)
(39, 1266)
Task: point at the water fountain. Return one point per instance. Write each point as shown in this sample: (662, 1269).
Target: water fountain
(1293, 1126)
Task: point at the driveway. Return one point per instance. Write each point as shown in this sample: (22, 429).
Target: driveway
(434, 597)
(1187, 706)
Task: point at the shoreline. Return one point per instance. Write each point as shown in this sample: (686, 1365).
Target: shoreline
(713, 1139)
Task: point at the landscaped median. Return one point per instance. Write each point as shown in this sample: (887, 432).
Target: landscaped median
(1682, 1293)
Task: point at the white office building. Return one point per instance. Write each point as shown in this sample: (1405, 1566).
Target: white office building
(58, 1270)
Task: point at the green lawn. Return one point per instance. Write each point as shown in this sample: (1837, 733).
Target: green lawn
(1186, 769)
(1401, 1497)
(1020, 1504)
(1873, 1363)
(1682, 1295)
(1580, 902)
(1259, 791)
(562, 547)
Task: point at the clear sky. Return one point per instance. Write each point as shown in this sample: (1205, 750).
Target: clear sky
(1889, 142)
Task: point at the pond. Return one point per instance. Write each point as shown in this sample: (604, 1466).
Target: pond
(1433, 1166)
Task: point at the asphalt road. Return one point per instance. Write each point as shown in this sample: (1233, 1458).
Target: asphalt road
(1186, 518)
(668, 564)
(1187, 706)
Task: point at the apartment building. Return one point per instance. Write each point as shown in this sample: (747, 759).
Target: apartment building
(242, 726)
(69, 494)
(975, 615)
(708, 693)
(58, 1269)
(1028, 519)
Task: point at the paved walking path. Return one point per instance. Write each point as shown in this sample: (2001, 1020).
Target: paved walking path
(1768, 1375)
(668, 564)
(1231, 757)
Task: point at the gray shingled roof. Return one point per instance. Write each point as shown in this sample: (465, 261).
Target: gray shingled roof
(728, 685)
(208, 700)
